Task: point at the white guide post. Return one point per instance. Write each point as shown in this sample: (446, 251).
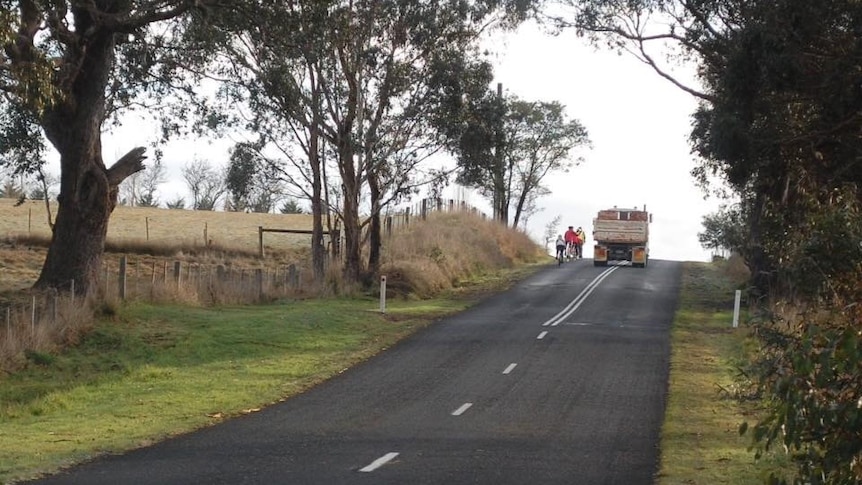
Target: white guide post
(736, 308)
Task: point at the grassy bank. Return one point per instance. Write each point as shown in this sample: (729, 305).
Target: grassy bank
(152, 372)
(700, 441)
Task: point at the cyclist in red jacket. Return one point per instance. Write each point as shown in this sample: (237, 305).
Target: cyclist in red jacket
(571, 242)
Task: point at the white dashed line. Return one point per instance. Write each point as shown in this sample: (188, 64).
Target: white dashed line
(542, 335)
(510, 368)
(461, 410)
(379, 462)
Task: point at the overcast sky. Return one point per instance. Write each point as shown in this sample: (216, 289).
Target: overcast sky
(638, 124)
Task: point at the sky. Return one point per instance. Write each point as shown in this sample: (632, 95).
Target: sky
(638, 124)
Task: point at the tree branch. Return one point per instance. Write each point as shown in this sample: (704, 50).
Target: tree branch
(128, 164)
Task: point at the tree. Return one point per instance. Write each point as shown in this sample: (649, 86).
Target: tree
(205, 183)
(67, 67)
(506, 147)
(291, 206)
(725, 230)
(252, 183)
(178, 203)
(149, 181)
(539, 140)
(551, 229)
(354, 81)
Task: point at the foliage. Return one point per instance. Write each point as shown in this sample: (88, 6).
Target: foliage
(178, 203)
(507, 146)
(356, 84)
(291, 206)
(252, 184)
(725, 230)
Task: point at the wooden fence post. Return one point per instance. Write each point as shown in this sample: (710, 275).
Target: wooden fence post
(424, 209)
(260, 240)
(122, 279)
(178, 266)
(292, 276)
(383, 294)
(258, 283)
(407, 216)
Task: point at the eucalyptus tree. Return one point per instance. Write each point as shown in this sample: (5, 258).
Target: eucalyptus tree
(539, 141)
(507, 146)
(357, 81)
(67, 66)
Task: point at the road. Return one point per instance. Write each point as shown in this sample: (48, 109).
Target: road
(560, 380)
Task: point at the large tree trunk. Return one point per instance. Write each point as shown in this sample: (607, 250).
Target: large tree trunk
(88, 191)
(88, 195)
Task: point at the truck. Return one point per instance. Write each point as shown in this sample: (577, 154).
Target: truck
(621, 235)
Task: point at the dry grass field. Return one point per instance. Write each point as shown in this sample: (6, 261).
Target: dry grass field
(174, 233)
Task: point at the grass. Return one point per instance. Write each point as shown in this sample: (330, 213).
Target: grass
(157, 371)
(700, 440)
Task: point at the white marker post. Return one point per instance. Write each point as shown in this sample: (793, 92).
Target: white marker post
(383, 294)
(736, 308)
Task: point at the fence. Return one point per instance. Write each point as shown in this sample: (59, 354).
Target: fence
(40, 319)
(421, 209)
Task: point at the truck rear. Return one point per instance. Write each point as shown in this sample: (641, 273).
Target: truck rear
(621, 235)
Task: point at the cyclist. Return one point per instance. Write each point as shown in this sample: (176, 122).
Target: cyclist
(571, 241)
(582, 238)
(561, 248)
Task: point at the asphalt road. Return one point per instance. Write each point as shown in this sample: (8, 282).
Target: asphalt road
(562, 379)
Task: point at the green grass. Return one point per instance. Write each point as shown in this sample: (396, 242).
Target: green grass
(700, 441)
(153, 372)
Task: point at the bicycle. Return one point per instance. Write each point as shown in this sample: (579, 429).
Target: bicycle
(560, 256)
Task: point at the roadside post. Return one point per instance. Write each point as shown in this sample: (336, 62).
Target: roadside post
(736, 308)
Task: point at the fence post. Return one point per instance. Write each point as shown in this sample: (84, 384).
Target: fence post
(147, 221)
(424, 209)
(292, 277)
(388, 225)
(178, 266)
(260, 240)
(258, 277)
(736, 302)
(383, 294)
(407, 216)
(122, 280)
(72, 293)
